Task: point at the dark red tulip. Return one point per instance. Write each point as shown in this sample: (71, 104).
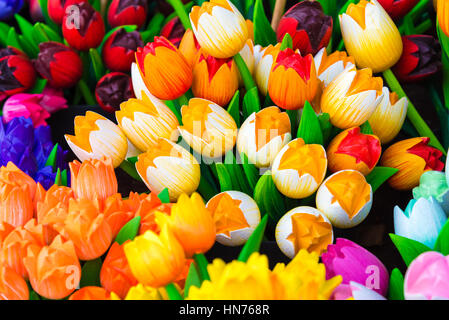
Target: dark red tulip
(398, 8)
(420, 58)
(17, 73)
(56, 9)
(127, 12)
(82, 26)
(59, 64)
(120, 48)
(173, 31)
(308, 26)
(113, 89)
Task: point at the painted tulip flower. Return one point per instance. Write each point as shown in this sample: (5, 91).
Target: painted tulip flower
(189, 47)
(264, 66)
(427, 276)
(146, 120)
(96, 137)
(443, 15)
(412, 157)
(118, 211)
(355, 291)
(352, 97)
(5, 230)
(389, 116)
(422, 221)
(112, 89)
(25, 105)
(247, 54)
(219, 28)
(292, 80)
(370, 36)
(119, 49)
(93, 179)
(54, 270)
(208, 128)
(59, 64)
(398, 8)
(345, 198)
(215, 79)
(308, 26)
(173, 30)
(17, 74)
(354, 150)
(303, 228)
(330, 66)
(149, 205)
(127, 12)
(299, 169)
(87, 31)
(53, 99)
(12, 285)
(9, 7)
(164, 69)
(141, 292)
(155, 260)
(168, 165)
(354, 263)
(433, 184)
(90, 293)
(420, 58)
(236, 215)
(57, 8)
(191, 223)
(263, 135)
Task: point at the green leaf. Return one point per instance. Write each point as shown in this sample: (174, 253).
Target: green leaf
(250, 170)
(366, 128)
(4, 28)
(172, 292)
(133, 160)
(239, 182)
(234, 108)
(164, 196)
(206, 189)
(287, 42)
(174, 106)
(251, 102)
(224, 177)
(444, 40)
(97, 63)
(90, 273)
(325, 126)
(51, 34)
(408, 248)
(254, 241)
(293, 115)
(379, 175)
(442, 243)
(128, 231)
(12, 39)
(396, 287)
(27, 32)
(51, 160)
(309, 126)
(39, 34)
(269, 200)
(153, 28)
(64, 178)
(201, 263)
(263, 32)
(30, 49)
(130, 169)
(39, 85)
(193, 279)
(58, 180)
(34, 295)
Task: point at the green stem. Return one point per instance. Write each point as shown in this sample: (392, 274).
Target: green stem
(181, 12)
(341, 45)
(412, 114)
(183, 100)
(130, 169)
(85, 91)
(201, 262)
(244, 71)
(172, 292)
(424, 26)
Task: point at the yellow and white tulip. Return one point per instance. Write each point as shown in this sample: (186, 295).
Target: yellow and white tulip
(247, 54)
(263, 67)
(330, 66)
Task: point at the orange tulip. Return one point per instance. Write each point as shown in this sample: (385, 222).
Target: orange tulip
(116, 275)
(5, 229)
(215, 79)
(164, 69)
(90, 293)
(88, 229)
(12, 285)
(93, 179)
(117, 212)
(148, 207)
(17, 191)
(192, 224)
(189, 47)
(54, 270)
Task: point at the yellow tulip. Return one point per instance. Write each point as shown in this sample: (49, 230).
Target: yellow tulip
(141, 292)
(330, 66)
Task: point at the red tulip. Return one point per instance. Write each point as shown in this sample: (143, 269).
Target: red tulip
(112, 89)
(16, 72)
(56, 9)
(398, 8)
(127, 12)
(120, 48)
(173, 31)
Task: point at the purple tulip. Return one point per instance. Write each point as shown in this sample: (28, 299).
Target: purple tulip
(357, 264)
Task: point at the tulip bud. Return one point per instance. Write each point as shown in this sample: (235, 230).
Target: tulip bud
(173, 31)
(219, 28)
(90, 293)
(330, 66)
(443, 15)
(189, 47)
(236, 215)
(96, 137)
(60, 65)
(422, 221)
(57, 8)
(352, 97)
(54, 270)
(345, 198)
(12, 285)
(112, 89)
(354, 150)
(398, 8)
(263, 135)
(357, 264)
(412, 157)
(370, 36)
(127, 12)
(168, 165)
(433, 184)
(155, 260)
(84, 31)
(264, 66)
(117, 211)
(215, 79)
(208, 128)
(299, 169)
(292, 71)
(427, 276)
(119, 49)
(308, 26)
(303, 228)
(420, 58)
(16, 74)
(147, 212)
(164, 69)
(145, 121)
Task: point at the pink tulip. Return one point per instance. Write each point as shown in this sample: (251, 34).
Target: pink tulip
(427, 277)
(53, 99)
(356, 291)
(25, 105)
